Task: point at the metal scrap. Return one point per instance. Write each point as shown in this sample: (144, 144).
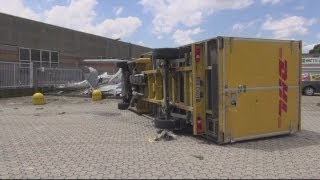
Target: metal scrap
(165, 135)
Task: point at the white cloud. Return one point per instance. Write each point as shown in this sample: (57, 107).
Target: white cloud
(17, 8)
(307, 47)
(167, 15)
(141, 43)
(184, 37)
(270, 1)
(77, 14)
(288, 27)
(239, 27)
(117, 10)
(116, 28)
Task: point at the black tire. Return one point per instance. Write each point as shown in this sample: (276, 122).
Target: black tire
(123, 64)
(123, 106)
(165, 53)
(309, 91)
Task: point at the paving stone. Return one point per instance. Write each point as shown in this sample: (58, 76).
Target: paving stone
(94, 140)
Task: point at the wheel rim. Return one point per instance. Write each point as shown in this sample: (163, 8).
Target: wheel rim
(309, 91)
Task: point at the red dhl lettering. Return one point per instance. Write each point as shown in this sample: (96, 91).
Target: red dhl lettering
(283, 87)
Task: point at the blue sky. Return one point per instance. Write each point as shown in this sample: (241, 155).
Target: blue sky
(170, 23)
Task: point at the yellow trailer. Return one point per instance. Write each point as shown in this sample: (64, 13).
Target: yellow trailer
(227, 89)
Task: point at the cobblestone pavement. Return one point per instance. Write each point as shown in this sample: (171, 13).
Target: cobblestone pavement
(76, 138)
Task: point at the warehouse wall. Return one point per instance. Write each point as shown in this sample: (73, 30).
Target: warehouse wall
(72, 46)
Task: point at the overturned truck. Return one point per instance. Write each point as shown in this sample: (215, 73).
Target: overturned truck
(227, 89)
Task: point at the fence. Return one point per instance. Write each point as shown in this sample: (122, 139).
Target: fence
(58, 76)
(13, 75)
(22, 75)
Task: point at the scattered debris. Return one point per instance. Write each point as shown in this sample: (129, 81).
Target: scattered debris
(318, 104)
(152, 139)
(61, 113)
(163, 134)
(37, 114)
(200, 157)
(39, 108)
(15, 108)
(60, 92)
(107, 84)
(113, 89)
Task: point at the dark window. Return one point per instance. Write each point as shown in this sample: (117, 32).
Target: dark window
(35, 55)
(25, 54)
(54, 57)
(45, 56)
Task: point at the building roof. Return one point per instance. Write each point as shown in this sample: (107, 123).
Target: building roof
(103, 60)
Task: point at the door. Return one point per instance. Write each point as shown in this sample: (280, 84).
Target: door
(261, 85)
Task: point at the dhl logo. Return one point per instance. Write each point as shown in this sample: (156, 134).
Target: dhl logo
(283, 87)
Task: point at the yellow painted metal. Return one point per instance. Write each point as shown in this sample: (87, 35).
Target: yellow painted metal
(158, 88)
(142, 60)
(183, 106)
(198, 75)
(255, 64)
(153, 101)
(186, 68)
(173, 87)
(151, 92)
(96, 95)
(38, 99)
(186, 79)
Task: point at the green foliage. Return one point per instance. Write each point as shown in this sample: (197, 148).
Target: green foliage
(315, 50)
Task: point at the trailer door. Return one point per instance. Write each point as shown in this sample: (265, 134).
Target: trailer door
(262, 88)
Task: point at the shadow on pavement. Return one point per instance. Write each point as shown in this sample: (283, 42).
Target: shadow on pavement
(279, 143)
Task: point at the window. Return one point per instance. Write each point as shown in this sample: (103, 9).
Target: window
(24, 54)
(24, 58)
(40, 58)
(54, 57)
(45, 56)
(35, 55)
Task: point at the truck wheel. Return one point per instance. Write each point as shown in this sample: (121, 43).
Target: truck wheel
(122, 64)
(309, 91)
(123, 106)
(165, 53)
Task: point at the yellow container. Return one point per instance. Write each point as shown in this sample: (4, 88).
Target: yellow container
(38, 99)
(231, 89)
(96, 95)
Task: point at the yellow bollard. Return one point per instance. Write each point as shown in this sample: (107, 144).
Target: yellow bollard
(96, 95)
(38, 99)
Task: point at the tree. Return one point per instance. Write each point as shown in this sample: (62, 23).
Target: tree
(315, 50)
